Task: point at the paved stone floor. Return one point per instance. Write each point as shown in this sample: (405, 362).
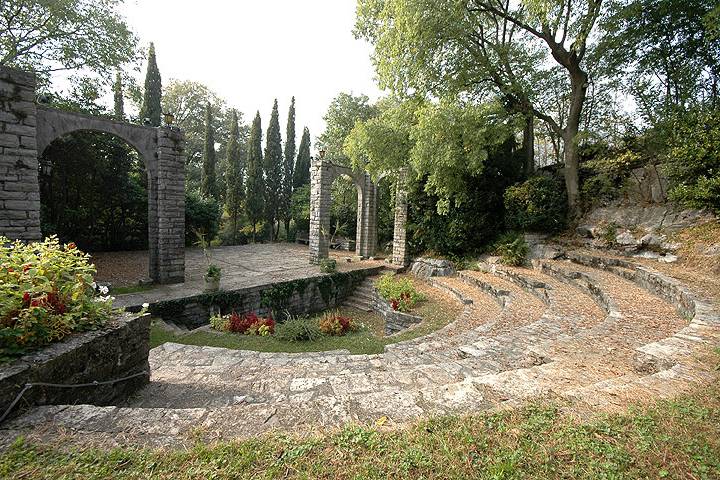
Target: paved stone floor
(590, 338)
(244, 266)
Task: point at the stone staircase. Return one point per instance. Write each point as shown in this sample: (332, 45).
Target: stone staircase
(362, 297)
(593, 332)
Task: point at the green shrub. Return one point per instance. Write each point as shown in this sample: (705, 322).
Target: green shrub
(298, 329)
(201, 215)
(46, 293)
(693, 160)
(400, 292)
(221, 323)
(512, 248)
(328, 265)
(538, 204)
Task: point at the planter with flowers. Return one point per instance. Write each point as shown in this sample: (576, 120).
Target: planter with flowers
(58, 326)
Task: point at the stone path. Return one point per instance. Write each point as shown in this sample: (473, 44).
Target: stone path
(596, 335)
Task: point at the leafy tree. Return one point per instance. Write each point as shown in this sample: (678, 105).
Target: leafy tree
(152, 98)
(452, 142)
(202, 214)
(209, 187)
(668, 55)
(96, 195)
(301, 174)
(273, 164)
(255, 184)
(119, 102)
(235, 188)
(418, 43)
(188, 102)
(49, 36)
(287, 178)
(343, 112)
(537, 205)
(693, 160)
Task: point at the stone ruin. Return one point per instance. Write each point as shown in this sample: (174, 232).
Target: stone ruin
(27, 128)
(322, 175)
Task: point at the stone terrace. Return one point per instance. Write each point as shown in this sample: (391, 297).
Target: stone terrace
(243, 266)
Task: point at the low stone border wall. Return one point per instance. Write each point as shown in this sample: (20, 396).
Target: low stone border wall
(118, 350)
(395, 321)
(301, 296)
(502, 297)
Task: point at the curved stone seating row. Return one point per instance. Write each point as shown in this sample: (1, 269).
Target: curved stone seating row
(582, 347)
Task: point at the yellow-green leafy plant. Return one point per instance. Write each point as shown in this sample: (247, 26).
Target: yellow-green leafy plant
(400, 292)
(46, 293)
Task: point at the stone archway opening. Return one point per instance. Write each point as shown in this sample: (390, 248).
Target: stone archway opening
(93, 192)
(322, 175)
(29, 128)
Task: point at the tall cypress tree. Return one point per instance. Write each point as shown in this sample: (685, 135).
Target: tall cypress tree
(208, 187)
(119, 109)
(301, 175)
(273, 163)
(235, 189)
(151, 108)
(288, 166)
(255, 186)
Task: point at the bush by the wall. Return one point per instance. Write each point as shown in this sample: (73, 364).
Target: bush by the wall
(693, 160)
(538, 204)
(299, 329)
(201, 214)
(46, 293)
(512, 248)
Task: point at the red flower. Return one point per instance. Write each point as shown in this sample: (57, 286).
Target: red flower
(10, 270)
(71, 246)
(26, 267)
(394, 304)
(26, 297)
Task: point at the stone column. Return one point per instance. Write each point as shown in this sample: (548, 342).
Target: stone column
(321, 178)
(19, 186)
(367, 213)
(400, 256)
(170, 191)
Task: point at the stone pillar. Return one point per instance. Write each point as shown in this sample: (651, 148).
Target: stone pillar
(367, 214)
(400, 256)
(321, 177)
(170, 190)
(19, 186)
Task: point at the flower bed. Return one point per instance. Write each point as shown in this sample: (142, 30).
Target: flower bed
(46, 293)
(294, 328)
(399, 292)
(247, 324)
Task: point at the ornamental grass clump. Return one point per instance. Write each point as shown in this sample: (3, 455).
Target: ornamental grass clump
(399, 292)
(46, 293)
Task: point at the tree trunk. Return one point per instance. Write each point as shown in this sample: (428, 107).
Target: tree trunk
(578, 88)
(529, 145)
(287, 229)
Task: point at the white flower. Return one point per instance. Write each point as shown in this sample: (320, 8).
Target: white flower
(145, 305)
(104, 290)
(94, 285)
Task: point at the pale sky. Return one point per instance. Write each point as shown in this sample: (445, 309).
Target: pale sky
(251, 52)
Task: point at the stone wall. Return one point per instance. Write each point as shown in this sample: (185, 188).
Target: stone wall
(119, 350)
(301, 296)
(395, 321)
(19, 188)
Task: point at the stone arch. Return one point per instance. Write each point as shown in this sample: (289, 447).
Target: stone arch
(53, 124)
(29, 128)
(322, 174)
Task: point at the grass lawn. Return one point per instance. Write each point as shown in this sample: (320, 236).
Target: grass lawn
(437, 311)
(678, 439)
